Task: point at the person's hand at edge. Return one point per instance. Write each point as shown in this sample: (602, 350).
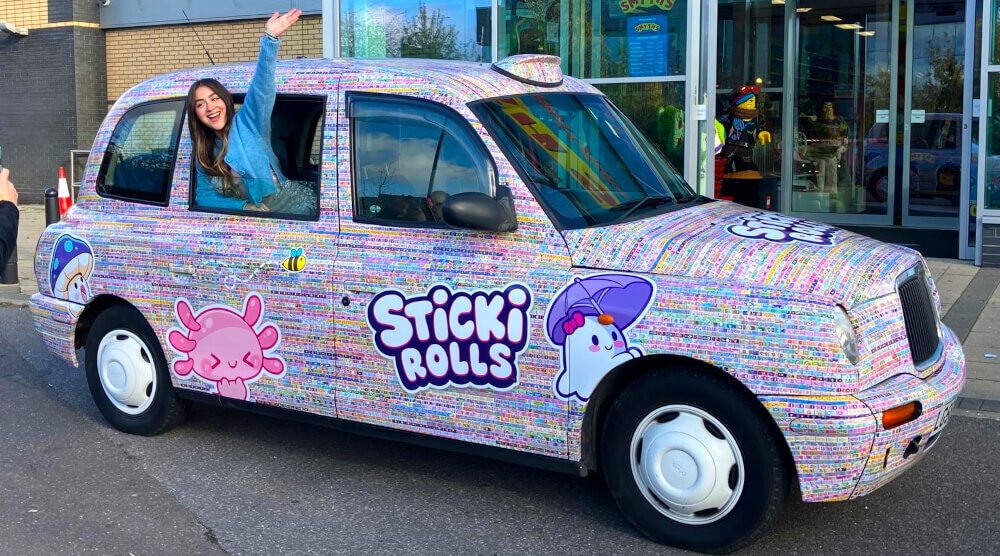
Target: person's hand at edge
(7, 191)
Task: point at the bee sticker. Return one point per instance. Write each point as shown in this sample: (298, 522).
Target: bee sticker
(295, 262)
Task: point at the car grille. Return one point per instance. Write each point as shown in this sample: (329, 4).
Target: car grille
(919, 316)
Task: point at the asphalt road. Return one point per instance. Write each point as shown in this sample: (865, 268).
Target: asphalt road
(240, 483)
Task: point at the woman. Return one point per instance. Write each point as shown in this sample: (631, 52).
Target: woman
(237, 169)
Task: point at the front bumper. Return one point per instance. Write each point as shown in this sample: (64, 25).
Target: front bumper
(840, 448)
(55, 319)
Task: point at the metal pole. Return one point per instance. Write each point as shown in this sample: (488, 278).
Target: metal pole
(51, 206)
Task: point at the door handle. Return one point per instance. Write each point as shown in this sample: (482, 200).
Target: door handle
(182, 269)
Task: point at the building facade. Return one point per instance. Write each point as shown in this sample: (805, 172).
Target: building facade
(872, 107)
(52, 87)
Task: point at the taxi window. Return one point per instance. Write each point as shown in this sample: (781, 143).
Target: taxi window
(409, 156)
(139, 160)
(296, 136)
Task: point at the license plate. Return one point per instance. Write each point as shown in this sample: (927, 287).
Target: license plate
(944, 415)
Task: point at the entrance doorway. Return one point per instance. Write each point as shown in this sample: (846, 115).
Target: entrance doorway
(865, 103)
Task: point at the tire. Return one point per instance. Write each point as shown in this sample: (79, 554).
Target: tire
(127, 374)
(721, 453)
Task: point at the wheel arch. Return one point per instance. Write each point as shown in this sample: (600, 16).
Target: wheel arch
(94, 308)
(614, 383)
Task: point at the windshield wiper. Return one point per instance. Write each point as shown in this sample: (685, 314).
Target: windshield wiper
(636, 204)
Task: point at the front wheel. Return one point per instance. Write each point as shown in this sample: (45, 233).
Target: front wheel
(127, 374)
(692, 461)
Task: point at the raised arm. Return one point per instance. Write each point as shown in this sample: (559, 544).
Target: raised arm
(259, 102)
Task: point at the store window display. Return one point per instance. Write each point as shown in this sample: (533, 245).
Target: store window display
(743, 129)
(826, 141)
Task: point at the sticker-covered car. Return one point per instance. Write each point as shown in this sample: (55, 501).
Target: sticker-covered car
(494, 258)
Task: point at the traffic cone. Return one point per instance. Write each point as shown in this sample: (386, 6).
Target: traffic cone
(65, 201)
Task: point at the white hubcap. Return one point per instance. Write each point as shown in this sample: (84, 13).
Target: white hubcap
(126, 370)
(687, 464)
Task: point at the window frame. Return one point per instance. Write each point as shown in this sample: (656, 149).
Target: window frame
(472, 138)
(193, 182)
(113, 192)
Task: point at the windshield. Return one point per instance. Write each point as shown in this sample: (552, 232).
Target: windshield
(588, 164)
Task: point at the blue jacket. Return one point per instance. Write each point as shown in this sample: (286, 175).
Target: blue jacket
(250, 152)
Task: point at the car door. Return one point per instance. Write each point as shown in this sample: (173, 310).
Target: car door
(440, 330)
(252, 314)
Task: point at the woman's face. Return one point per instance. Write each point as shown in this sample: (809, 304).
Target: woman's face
(210, 108)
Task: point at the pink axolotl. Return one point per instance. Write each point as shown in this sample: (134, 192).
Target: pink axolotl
(222, 346)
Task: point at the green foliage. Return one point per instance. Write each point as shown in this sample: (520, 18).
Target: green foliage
(427, 36)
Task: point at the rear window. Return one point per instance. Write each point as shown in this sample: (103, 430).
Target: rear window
(139, 161)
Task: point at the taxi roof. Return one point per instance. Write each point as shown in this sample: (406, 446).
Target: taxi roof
(466, 81)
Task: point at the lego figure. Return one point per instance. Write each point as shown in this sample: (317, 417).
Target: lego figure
(744, 128)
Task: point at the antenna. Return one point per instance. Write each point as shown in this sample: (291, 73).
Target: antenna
(199, 38)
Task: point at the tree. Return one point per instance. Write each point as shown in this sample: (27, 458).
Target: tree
(427, 36)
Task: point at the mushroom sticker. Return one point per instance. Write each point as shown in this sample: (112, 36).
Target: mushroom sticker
(589, 320)
(70, 269)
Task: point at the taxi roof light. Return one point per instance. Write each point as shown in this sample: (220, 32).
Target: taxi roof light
(540, 70)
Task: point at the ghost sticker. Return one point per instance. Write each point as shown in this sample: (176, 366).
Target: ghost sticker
(224, 347)
(70, 269)
(589, 319)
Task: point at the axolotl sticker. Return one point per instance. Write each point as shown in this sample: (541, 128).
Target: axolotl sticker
(224, 347)
(446, 338)
(589, 321)
(70, 269)
(779, 228)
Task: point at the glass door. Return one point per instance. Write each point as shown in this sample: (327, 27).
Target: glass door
(841, 120)
(935, 118)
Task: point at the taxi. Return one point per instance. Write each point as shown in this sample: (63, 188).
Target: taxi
(497, 261)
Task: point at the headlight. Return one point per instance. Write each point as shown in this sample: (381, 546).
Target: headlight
(845, 335)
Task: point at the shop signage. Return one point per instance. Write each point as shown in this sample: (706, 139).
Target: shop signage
(647, 45)
(629, 6)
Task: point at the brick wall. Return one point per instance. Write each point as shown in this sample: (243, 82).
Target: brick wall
(134, 55)
(991, 245)
(25, 13)
(53, 88)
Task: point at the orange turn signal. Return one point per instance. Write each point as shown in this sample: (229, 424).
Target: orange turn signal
(901, 414)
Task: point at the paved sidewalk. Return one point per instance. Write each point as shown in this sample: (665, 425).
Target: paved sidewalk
(970, 305)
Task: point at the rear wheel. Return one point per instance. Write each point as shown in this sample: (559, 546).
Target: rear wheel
(692, 461)
(127, 374)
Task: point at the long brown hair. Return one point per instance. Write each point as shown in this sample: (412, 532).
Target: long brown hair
(203, 137)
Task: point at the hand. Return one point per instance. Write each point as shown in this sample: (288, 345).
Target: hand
(260, 208)
(279, 24)
(764, 137)
(7, 191)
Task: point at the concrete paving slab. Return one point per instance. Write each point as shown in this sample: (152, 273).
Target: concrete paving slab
(983, 389)
(983, 371)
(970, 403)
(957, 266)
(967, 310)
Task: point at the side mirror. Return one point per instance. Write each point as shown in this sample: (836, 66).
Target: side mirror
(478, 211)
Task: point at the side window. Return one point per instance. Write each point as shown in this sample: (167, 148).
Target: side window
(409, 156)
(296, 143)
(139, 160)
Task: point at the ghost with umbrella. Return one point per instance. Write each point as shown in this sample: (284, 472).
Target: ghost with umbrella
(589, 320)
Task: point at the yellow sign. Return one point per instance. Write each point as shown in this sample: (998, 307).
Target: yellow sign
(565, 157)
(629, 6)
